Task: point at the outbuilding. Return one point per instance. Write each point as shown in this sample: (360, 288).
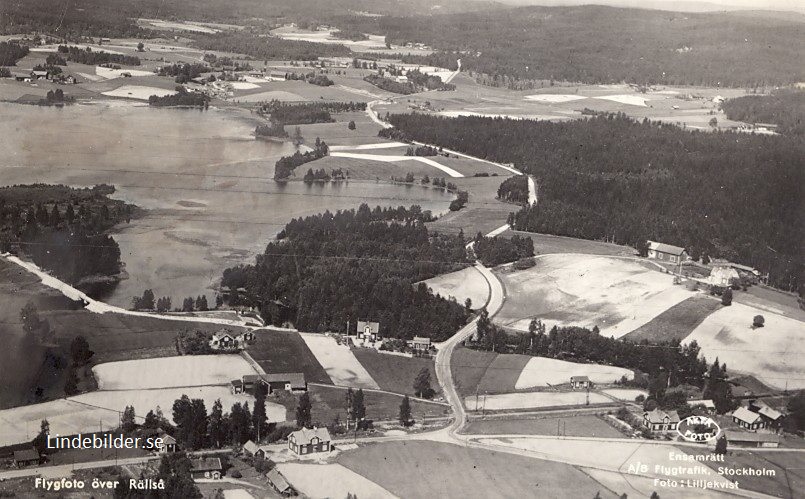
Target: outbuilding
(747, 439)
(577, 382)
(26, 457)
(747, 419)
(666, 252)
(209, 467)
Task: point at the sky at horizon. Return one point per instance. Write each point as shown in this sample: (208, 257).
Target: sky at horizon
(676, 5)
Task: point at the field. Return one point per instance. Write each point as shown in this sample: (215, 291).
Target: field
(772, 353)
(626, 394)
(571, 426)
(394, 373)
(329, 404)
(542, 371)
(167, 372)
(428, 469)
(468, 367)
(286, 351)
(462, 285)
(483, 213)
(677, 322)
(545, 244)
(137, 92)
(339, 362)
(330, 480)
(615, 294)
(532, 400)
(100, 410)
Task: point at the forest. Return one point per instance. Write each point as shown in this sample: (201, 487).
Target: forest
(182, 98)
(730, 195)
(416, 82)
(285, 166)
(183, 72)
(493, 251)
(87, 56)
(357, 264)
(306, 113)
(268, 48)
(595, 44)
(63, 229)
(10, 53)
(514, 189)
(784, 108)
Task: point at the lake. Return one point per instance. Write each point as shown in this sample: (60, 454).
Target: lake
(205, 181)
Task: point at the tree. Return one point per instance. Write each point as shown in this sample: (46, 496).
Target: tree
(40, 441)
(758, 321)
(714, 122)
(30, 318)
(721, 445)
(297, 138)
(190, 417)
(259, 419)
(79, 351)
(216, 427)
(796, 410)
(188, 305)
(468, 304)
(726, 297)
(405, 411)
(240, 423)
(422, 386)
(351, 125)
(655, 495)
(151, 421)
(174, 470)
(358, 406)
(140, 47)
(127, 420)
(303, 417)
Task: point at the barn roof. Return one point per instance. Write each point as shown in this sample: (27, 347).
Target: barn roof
(305, 435)
(277, 480)
(745, 415)
(745, 436)
(207, 464)
(26, 455)
(665, 248)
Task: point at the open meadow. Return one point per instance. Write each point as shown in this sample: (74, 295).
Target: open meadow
(284, 352)
(394, 373)
(339, 362)
(320, 481)
(615, 294)
(452, 471)
(571, 426)
(773, 353)
(463, 285)
(167, 372)
(542, 371)
(677, 322)
(533, 400)
(329, 403)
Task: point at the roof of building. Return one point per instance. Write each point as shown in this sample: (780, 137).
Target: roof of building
(305, 435)
(221, 334)
(374, 327)
(745, 415)
(665, 248)
(745, 436)
(579, 379)
(297, 380)
(420, 339)
(207, 464)
(659, 416)
(251, 447)
(26, 455)
(167, 439)
(37, 72)
(770, 413)
(277, 480)
(705, 402)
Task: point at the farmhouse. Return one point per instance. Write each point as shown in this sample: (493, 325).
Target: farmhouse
(308, 441)
(26, 457)
(746, 439)
(368, 330)
(209, 467)
(768, 414)
(580, 382)
(722, 276)
(747, 419)
(39, 75)
(279, 483)
(660, 421)
(420, 345)
(666, 252)
(222, 340)
(708, 404)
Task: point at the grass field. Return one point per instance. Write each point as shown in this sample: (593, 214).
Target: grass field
(428, 469)
(393, 373)
(461, 285)
(773, 353)
(468, 367)
(573, 426)
(542, 371)
(615, 294)
(545, 244)
(339, 362)
(187, 370)
(483, 213)
(532, 400)
(503, 373)
(329, 403)
(286, 351)
(677, 322)
(330, 480)
(626, 394)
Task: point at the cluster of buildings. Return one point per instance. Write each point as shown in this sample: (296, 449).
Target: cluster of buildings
(289, 382)
(45, 75)
(224, 341)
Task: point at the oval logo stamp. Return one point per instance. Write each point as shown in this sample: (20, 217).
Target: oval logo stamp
(698, 429)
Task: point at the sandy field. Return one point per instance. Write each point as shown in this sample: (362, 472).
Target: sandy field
(138, 92)
(773, 353)
(330, 480)
(243, 85)
(339, 362)
(638, 486)
(632, 100)
(182, 26)
(390, 159)
(167, 372)
(279, 95)
(101, 410)
(617, 295)
(613, 456)
(627, 394)
(542, 371)
(110, 73)
(462, 284)
(554, 98)
(532, 399)
(363, 147)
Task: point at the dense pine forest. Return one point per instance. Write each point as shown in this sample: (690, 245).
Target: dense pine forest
(496, 250)
(10, 53)
(784, 108)
(594, 44)
(93, 58)
(268, 48)
(285, 113)
(63, 229)
(330, 268)
(729, 195)
(514, 189)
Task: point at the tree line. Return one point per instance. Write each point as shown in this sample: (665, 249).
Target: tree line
(182, 98)
(496, 250)
(718, 194)
(11, 52)
(329, 269)
(63, 229)
(784, 108)
(514, 189)
(307, 112)
(285, 166)
(267, 48)
(92, 58)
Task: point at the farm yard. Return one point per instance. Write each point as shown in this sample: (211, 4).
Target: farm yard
(394, 373)
(188, 370)
(339, 362)
(571, 426)
(462, 285)
(615, 294)
(542, 371)
(330, 480)
(451, 471)
(773, 353)
(533, 400)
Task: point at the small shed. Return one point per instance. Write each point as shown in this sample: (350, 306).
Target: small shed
(26, 457)
(206, 467)
(279, 483)
(747, 439)
(666, 252)
(577, 382)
